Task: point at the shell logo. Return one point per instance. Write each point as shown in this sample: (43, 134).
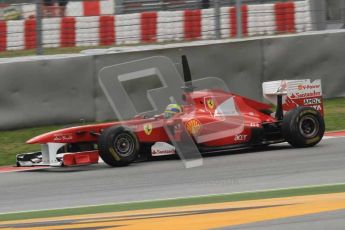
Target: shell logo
(300, 87)
(148, 129)
(193, 126)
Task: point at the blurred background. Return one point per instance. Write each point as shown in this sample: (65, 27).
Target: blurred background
(41, 24)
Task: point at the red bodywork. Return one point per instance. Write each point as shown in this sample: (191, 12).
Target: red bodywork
(200, 117)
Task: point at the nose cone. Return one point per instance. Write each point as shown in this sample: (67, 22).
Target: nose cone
(71, 134)
(35, 140)
(41, 139)
(58, 136)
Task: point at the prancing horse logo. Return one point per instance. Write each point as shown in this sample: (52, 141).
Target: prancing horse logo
(148, 129)
(210, 103)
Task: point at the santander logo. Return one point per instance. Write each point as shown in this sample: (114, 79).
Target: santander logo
(162, 149)
(166, 151)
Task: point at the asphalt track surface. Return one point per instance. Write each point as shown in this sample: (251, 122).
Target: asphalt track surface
(278, 166)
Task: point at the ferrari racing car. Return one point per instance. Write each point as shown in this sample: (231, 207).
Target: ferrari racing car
(214, 120)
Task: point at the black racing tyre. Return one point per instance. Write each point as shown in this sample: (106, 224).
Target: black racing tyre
(118, 146)
(303, 127)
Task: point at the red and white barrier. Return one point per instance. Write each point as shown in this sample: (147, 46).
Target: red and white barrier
(78, 8)
(147, 27)
(127, 29)
(107, 30)
(15, 35)
(87, 31)
(51, 32)
(170, 26)
(302, 16)
(90, 8)
(67, 32)
(207, 24)
(261, 20)
(225, 22)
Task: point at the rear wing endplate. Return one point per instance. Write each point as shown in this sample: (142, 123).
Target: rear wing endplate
(294, 93)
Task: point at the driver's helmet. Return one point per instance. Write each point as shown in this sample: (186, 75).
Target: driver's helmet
(171, 110)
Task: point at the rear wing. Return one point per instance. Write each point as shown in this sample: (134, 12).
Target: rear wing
(294, 93)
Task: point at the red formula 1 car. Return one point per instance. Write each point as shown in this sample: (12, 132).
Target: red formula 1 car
(213, 120)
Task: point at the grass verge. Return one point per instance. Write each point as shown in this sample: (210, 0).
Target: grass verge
(335, 114)
(303, 191)
(13, 142)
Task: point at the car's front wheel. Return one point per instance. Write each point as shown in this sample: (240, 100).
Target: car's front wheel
(118, 146)
(303, 127)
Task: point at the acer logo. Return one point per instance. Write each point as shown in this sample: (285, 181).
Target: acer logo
(240, 137)
(312, 101)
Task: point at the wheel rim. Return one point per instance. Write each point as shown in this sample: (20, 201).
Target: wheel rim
(124, 144)
(309, 126)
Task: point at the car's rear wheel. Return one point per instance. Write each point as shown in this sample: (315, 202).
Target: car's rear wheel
(118, 146)
(303, 127)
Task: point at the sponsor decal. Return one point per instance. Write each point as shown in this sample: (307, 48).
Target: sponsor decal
(241, 137)
(162, 152)
(317, 107)
(305, 87)
(310, 94)
(312, 101)
(210, 103)
(162, 149)
(306, 90)
(63, 137)
(148, 128)
(254, 124)
(304, 94)
(193, 126)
